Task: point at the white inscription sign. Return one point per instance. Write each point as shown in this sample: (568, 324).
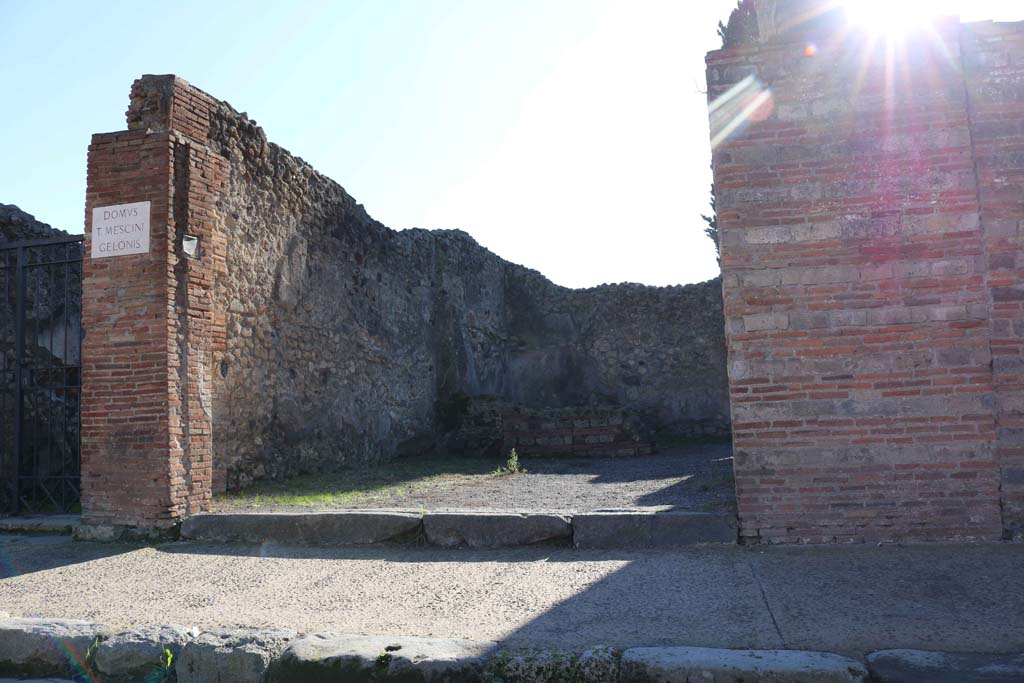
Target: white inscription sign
(120, 229)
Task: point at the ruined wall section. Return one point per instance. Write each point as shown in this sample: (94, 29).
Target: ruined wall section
(658, 350)
(17, 225)
(856, 297)
(348, 342)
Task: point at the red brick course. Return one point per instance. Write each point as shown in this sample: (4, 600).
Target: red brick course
(860, 292)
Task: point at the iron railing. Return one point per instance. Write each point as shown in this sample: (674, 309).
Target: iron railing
(40, 375)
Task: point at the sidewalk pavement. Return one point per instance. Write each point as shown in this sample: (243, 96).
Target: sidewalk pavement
(845, 599)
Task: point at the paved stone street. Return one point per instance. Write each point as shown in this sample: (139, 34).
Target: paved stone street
(850, 599)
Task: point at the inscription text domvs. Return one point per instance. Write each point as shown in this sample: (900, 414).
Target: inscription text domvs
(120, 229)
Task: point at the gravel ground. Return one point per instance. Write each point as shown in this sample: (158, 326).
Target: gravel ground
(696, 478)
(850, 599)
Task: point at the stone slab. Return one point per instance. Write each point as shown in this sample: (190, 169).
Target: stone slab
(47, 647)
(495, 529)
(595, 665)
(922, 666)
(687, 664)
(631, 529)
(332, 657)
(350, 527)
(231, 655)
(136, 653)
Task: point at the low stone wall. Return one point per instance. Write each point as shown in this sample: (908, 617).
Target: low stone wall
(339, 341)
(488, 426)
(576, 431)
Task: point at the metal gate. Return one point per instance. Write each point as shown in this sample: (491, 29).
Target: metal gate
(40, 375)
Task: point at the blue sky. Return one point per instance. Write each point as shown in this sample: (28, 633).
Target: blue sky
(567, 135)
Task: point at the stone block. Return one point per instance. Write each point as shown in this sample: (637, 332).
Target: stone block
(231, 655)
(352, 527)
(628, 529)
(533, 666)
(47, 647)
(760, 322)
(136, 653)
(687, 664)
(364, 659)
(495, 529)
(595, 665)
(599, 665)
(920, 666)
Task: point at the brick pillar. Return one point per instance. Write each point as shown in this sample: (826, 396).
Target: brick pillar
(855, 280)
(993, 57)
(150, 326)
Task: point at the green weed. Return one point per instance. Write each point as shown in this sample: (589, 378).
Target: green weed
(511, 465)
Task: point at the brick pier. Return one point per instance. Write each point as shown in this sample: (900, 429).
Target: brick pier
(150, 325)
(871, 204)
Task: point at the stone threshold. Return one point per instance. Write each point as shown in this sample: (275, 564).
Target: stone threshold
(618, 529)
(80, 650)
(54, 525)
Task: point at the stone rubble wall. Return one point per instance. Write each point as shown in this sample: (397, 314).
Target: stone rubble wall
(17, 225)
(870, 221)
(486, 426)
(345, 341)
(575, 431)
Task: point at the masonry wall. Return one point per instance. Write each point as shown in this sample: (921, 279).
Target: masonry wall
(869, 207)
(126, 462)
(347, 342)
(993, 58)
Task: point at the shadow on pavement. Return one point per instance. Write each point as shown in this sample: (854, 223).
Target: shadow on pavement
(24, 554)
(851, 600)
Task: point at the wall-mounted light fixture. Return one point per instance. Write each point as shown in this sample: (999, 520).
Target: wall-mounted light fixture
(190, 245)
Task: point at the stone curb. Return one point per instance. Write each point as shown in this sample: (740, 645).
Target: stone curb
(472, 529)
(494, 529)
(40, 648)
(333, 657)
(49, 525)
(628, 529)
(60, 649)
(321, 528)
(921, 666)
(685, 664)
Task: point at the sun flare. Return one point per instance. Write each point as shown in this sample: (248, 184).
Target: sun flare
(891, 17)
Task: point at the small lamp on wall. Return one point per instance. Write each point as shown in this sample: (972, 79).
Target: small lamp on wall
(190, 245)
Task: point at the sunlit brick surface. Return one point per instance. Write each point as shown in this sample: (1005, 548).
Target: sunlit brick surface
(150, 327)
(870, 205)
